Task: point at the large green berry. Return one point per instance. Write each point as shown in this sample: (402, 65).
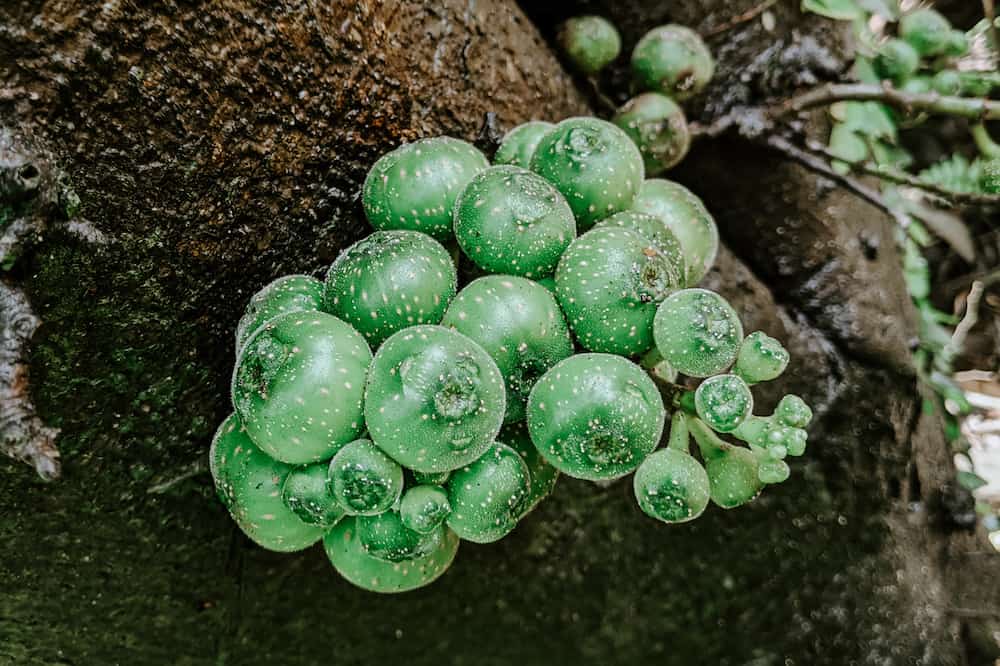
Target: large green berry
(685, 215)
(352, 561)
(435, 399)
(698, 332)
(510, 220)
(658, 126)
(671, 486)
(291, 293)
(733, 477)
(543, 473)
(518, 145)
(424, 508)
(386, 537)
(519, 324)
(595, 166)
(927, 31)
(609, 283)
(415, 186)
(298, 386)
(657, 233)
(307, 493)
(761, 358)
(673, 60)
(896, 60)
(489, 496)
(723, 402)
(590, 42)
(989, 179)
(363, 479)
(595, 416)
(391, 280)
(248, 482)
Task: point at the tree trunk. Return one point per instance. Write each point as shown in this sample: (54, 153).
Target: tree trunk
(163, 161)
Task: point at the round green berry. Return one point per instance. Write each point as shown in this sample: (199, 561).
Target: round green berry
(671, 486)
(352, 561)
(291, 293)
(609, 283)
(595, 416)
(489, 496)
(698, 332)
(658, 127)
(549, 282)
(510, 220)
(733, 477)
(308, 494)
(386, 537)
(520, 326)
(415, 186)
(364, 480)
(430, 478)
(723, 402)
(298, 386)
(595, 166)
(686, 216)
(248, 482)
(657, 233)
(424, 508)
(543, 473)
(947, 82)
(896, 60)
(391, 280)
(793, 411)
(761, 358)
(957, 44)
(672, 60)
(989, 178)
(518, 145)
(435, 399)
(927, 31)
(590, 42)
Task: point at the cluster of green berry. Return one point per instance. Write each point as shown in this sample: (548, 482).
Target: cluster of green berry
(476, 399)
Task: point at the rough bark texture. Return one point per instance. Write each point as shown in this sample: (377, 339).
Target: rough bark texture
(214, 146)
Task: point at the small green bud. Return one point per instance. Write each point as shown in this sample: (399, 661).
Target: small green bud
(590, 42)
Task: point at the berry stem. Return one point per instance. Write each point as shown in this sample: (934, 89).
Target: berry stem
(680, 438)
(965, 107)
(711, 445)
(987, 146)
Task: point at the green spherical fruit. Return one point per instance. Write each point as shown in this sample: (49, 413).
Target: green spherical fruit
(352, 561)
(595, 416)
(489, 496)
(430, 478)
(595, 166)
(415, 186)
(549, 282)
(658, 127)
(723, 402)
(309, 496)
(989, 178)
(698, 332)
(435, 399)
(672, 60)
(291, 293)
(590, 42)
(914, 84)
(761, 358)
(298, 386)
(671, 486)
(686, 216)
(520, 326)
(957, 44)
(609, 283)
(733, 477)
(391, 280)
(896, 60)
(543, 473)
(249, 482)
(657, 233)
(510, 220)
(947, 82)
(424, 508)
(518, 145)
(385, 537)
(927, 31)
(364, 481)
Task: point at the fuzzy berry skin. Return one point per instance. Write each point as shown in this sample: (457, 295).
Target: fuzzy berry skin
(415, 186)
(658, 127)
(609, 283)
(512, 221)
(308, 494)
(518, 145)
(488, 496)
(686, 216)
(733, 476)
(897, 61)
(520, 326)
(435, 399)
(671, 486)
(389, 281)
(698, 332)
(363, 480)
(595, 166)
(657, 233)
(249, 482)
(595, 416)
(385, 537)
(723, 402)
(298, 386)
(761, 358)
(352, 561)
(424, 508)
(543, 474)
(672, 60)
(927, 31)
(291, 293)
(591, 43)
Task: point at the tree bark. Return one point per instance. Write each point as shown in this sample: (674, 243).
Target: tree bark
(189, 152)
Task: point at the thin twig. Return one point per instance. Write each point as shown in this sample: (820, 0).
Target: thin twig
(966, 107)
(954, 346)
(191, 470)
(748, 15)
(989, 11)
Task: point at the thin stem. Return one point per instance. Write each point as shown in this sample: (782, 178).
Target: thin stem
(679, 438)
(965, 107)
(711, 445)
(957, 342)
(984, 142)
(748, 15)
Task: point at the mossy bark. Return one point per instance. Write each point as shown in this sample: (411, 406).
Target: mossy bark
(214, 146)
